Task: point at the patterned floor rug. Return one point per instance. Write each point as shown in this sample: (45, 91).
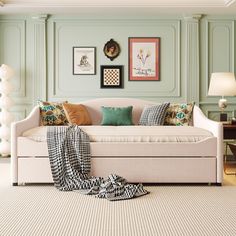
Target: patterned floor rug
(167, 210)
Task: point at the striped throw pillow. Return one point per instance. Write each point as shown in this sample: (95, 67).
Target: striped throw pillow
(154, 115)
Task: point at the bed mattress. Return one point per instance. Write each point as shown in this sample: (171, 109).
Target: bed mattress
(184, 134)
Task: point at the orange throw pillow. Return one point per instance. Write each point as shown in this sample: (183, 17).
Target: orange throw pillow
(77, 114)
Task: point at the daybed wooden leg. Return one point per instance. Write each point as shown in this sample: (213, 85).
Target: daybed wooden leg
(14, 184)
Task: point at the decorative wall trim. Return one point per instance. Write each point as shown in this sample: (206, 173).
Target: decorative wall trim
(105, 4)
(216, 104)
(193, 18)
(18, 26)
(192, 69)
(229, 25)
(38, 38)
(172, 25)
(40, 17)
(40, 59)
(214, 114)
(20, 112)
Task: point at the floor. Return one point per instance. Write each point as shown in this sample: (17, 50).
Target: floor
(230, 180)
(167, 211)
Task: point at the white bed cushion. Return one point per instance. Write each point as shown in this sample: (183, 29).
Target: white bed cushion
(132, 133)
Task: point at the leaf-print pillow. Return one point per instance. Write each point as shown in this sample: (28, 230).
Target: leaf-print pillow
(179, 114)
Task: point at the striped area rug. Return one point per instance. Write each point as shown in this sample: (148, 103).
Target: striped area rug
(168, 210)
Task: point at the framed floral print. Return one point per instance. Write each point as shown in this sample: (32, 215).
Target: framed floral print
(84, 60)
(144, 58)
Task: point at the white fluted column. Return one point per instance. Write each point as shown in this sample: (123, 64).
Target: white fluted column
(192, 55)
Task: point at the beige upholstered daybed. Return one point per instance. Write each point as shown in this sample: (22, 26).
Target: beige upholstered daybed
(155, 154)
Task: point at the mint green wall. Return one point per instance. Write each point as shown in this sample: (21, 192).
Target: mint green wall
(217, 54)
(65, 33)
(39, 48)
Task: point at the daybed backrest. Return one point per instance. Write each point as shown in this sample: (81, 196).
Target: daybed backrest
(94, 107)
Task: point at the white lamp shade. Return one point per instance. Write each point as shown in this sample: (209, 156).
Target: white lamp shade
(6, 87)
(5, 101)
(5, 132)
(6, 72)
(222, 84)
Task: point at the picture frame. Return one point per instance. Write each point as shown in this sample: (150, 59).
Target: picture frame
(111, 49)
(144, 58)
(84, 60)
(111, 76)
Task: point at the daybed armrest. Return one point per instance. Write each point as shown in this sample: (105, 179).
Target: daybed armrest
(17, 128)
(216, 128)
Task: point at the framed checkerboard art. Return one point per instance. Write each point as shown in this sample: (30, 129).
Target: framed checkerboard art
(111, 76)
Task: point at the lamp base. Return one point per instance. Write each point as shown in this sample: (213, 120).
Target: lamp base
(223, 116)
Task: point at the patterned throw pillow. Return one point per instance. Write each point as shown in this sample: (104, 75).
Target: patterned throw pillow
(179, 114)
(52, 113)
(154, 115)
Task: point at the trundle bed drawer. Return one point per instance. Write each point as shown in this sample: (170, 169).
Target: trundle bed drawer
(155, 170)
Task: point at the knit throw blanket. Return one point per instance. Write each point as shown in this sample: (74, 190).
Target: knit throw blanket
(69, 155)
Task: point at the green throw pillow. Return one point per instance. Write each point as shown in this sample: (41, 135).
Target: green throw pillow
(117, 115)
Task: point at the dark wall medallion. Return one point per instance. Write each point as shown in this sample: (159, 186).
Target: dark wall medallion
(111, 49)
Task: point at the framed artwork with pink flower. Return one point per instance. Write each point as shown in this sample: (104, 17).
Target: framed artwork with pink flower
(144, 58)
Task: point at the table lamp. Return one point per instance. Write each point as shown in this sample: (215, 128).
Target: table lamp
(222, 84)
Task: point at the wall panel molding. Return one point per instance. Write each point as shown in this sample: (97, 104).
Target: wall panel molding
(40, 59)
(170, 28)
(13, 43)
(219, 40)
(20, 112)
(39, 48)
(212, 111)
(214, 114)
(192, 69)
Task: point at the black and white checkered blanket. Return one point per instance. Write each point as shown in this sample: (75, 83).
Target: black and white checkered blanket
(69, 154)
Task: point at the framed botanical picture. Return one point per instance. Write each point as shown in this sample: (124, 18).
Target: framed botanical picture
(144, 59)
(111, 76)
(111, 49)
(84, 60)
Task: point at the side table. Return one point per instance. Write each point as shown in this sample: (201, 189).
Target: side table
(229, 133)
